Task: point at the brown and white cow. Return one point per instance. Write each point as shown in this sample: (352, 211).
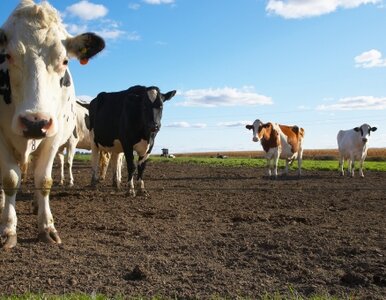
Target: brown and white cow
(37, 99)
(279, 141)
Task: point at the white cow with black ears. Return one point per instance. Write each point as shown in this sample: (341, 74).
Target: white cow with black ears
(37, 100)
(353, 145)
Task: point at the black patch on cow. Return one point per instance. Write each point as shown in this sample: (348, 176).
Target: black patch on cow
(5, 86)
(3, 58)
(65, 80)
(75, 133)
(87, 121)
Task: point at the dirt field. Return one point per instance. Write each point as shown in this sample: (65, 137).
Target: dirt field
(207, 231)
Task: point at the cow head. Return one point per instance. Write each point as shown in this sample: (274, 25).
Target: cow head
(364, 131)
(152, 101)
(255, 127)
(35, 50)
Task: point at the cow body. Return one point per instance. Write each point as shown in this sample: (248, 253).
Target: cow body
(37, 99)
(127, 121)
(353, 145)
(279, 141)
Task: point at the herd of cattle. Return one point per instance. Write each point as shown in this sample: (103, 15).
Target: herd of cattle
(41, 117)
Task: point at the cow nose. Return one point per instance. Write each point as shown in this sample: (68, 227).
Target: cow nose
(364, 140)
(35, 125)
(255, 139)
(154, 128)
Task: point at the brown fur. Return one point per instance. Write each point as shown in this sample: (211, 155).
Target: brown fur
(294, 135)
(268, 136)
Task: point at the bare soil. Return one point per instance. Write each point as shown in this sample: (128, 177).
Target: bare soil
(206, 231)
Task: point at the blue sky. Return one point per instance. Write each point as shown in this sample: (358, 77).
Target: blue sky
(320, 64)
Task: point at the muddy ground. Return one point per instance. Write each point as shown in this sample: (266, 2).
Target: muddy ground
(207, 231)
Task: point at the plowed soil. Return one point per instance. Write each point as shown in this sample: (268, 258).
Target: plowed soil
(206, 231)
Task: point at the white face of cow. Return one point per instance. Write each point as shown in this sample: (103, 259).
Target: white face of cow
(255, 127)
(37, 49)
(364, 131)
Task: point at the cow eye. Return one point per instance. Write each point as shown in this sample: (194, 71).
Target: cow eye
(8, 56)
(65, 62)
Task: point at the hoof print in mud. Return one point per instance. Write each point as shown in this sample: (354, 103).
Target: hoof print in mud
(136, 274)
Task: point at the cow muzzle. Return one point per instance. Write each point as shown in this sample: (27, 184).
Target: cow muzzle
(35, 126)
(364, 140)
(255, 139)
(154, 128)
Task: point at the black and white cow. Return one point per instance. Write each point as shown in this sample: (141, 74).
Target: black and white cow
(37, 99)
(127, 121)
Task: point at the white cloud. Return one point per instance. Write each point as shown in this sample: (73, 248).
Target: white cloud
(134, 6)
(223, 97)
(87, 10)
(370, 59)
(76, 29)
(356, 103)
(111, 34)
(295, 9)
(233, 124)
(186, 125)
(157, 2)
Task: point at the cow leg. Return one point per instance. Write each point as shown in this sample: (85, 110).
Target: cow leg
(140, 183)
(43, 182)
(341, 165)
(117, 159)
(269, 165)
(352, 167)
(130, 170)
(104, 159)
(276, 162)
(11, 177)
(361, 168)
(61, 161)
(94, 164)
(70, 158)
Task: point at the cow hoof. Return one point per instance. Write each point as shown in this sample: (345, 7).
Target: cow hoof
(131, 193)
(49, 237)
(143, 193)
(8, 242)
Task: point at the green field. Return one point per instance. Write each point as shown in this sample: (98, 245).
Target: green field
(308, 164)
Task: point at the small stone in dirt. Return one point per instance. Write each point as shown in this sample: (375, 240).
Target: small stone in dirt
(73, 281)
(136, 274)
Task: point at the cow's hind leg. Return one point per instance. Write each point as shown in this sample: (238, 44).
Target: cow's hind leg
(341, 165)
(130, 170)
(140, 183)
(117, 159)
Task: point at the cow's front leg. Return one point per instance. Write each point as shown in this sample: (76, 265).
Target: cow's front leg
(341, 165)
(352, 167)
(43, 183)
(361, 168)
(11, 182)
(140, 183)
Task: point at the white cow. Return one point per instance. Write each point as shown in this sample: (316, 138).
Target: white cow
(37, 99)
(353, 145)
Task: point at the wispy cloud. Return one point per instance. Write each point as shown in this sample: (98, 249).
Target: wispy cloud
(223, 97)
(134, 6)
(184, 124)
(356, 103)
(296, 9)
(370, 59)
(233, 124)
(158, 2)
(87, 11)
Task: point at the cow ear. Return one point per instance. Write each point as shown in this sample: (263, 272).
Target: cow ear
(249, 127)
(169, 95)
(356, 129)
(84, 46)
(373, 128)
